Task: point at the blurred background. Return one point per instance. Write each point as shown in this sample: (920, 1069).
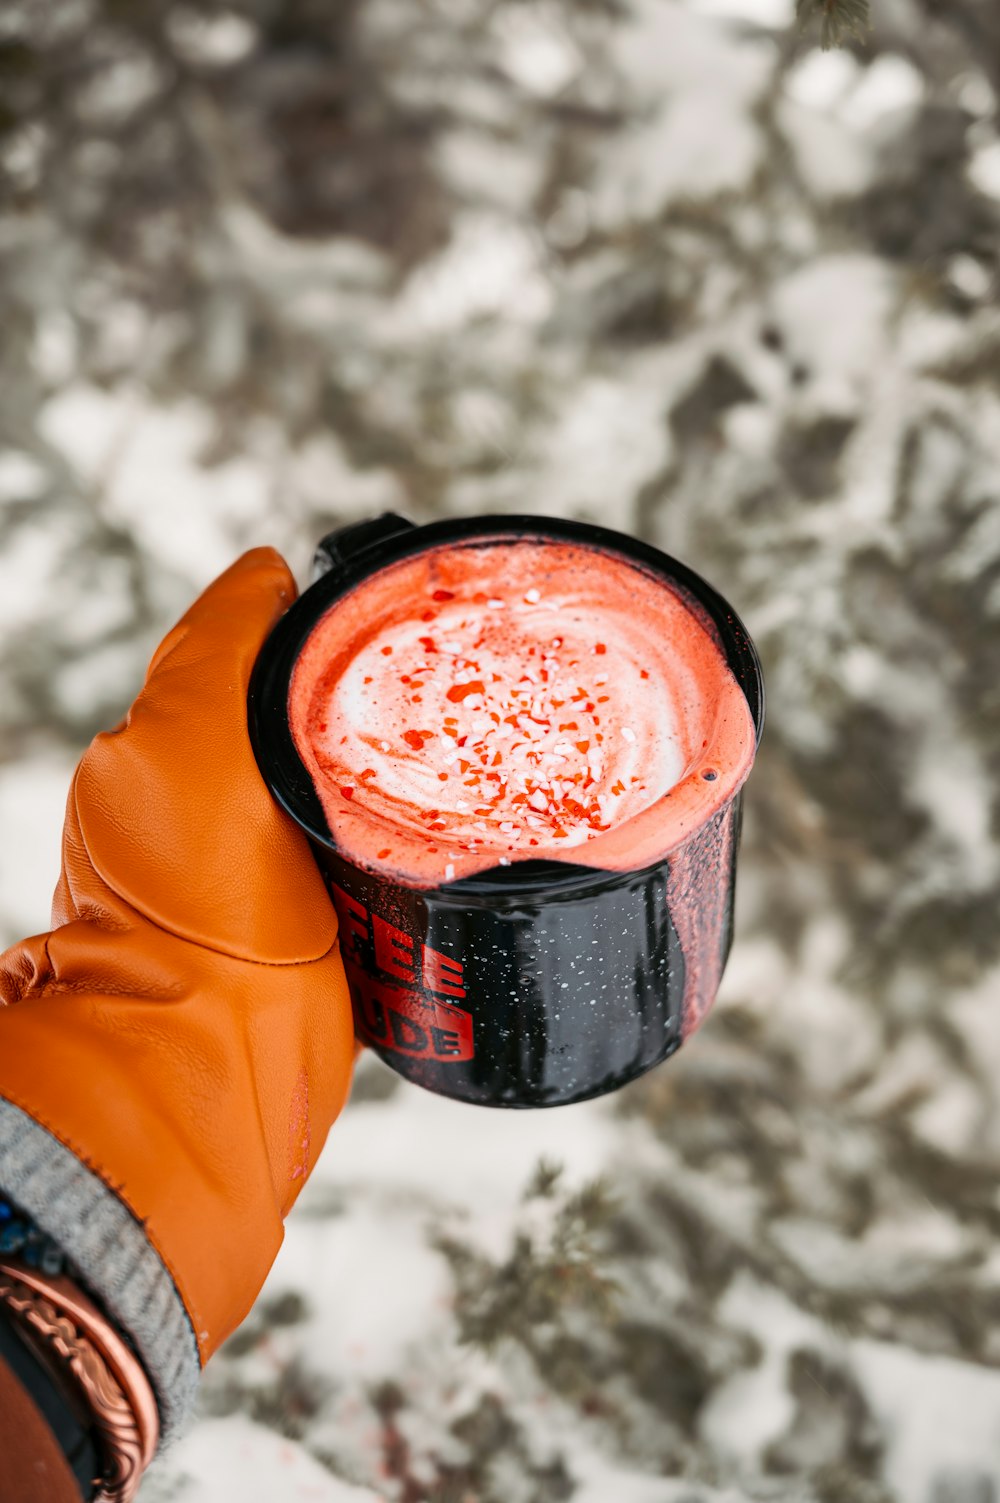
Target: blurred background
(668, 266)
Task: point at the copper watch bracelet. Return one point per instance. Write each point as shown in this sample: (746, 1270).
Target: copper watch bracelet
(62, 1323)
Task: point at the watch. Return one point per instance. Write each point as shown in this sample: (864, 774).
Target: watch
(85, 1381)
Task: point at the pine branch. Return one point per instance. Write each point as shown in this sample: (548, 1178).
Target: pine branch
(552, 1272)
(544, 1181)
(840, 19)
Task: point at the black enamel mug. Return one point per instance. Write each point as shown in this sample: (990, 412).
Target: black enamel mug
(532, 984)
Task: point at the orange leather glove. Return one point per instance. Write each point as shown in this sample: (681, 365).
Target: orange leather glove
(185, 1028)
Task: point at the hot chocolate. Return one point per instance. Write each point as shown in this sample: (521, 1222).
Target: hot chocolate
(482, 704)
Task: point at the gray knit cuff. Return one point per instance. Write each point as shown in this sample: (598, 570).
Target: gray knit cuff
(107, 1245)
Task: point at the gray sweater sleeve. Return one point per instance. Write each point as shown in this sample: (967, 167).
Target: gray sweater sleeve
(110, 1252)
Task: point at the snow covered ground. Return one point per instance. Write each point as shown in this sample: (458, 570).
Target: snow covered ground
(668, 266)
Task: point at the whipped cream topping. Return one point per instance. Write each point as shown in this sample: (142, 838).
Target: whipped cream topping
(481, 704)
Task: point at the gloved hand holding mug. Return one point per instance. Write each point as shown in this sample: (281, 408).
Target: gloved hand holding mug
(172, 1055)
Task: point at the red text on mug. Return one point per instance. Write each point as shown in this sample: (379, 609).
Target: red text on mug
(402, 1013)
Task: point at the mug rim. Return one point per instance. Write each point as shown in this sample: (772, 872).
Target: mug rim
(287, 778)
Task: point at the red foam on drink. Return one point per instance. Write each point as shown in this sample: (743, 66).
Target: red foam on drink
(501, 701)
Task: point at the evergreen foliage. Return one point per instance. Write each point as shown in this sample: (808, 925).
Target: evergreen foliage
(839, 19)
(554, 1269)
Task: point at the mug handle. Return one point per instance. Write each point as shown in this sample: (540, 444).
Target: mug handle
(341, 546)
